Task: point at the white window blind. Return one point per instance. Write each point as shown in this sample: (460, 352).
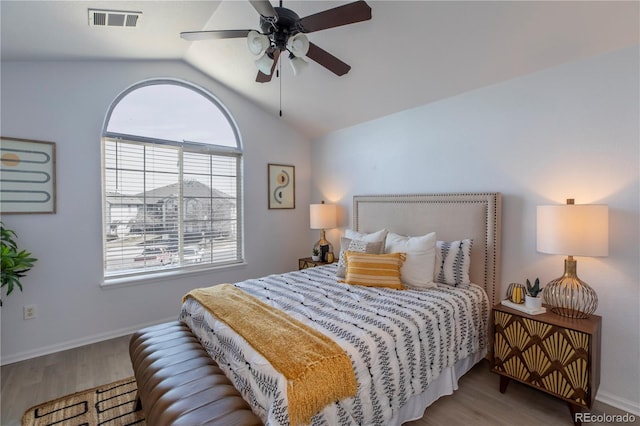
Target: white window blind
(169, 205)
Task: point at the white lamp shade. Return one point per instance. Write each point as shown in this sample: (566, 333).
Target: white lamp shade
(298, 45)
(264, 64)
(298, 65)
(573, 229)
(257, 43)
(322, 216)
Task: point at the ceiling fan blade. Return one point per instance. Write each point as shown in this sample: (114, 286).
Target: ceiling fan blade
(264, 78)
(327, 60)
(264, 8)
(213, 35)
(342, 15)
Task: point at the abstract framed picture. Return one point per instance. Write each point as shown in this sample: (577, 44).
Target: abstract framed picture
(27, 176)
(282, 190)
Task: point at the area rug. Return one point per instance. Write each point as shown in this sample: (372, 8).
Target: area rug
(112, 404)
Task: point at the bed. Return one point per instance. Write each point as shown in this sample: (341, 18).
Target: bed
(407, 348)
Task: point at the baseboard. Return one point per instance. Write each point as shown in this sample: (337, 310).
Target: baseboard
(631, 407)
(628, 406)
(70, 344)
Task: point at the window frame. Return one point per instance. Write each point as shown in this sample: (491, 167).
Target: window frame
(149, 273)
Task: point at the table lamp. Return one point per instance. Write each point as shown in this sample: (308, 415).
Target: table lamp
(322, 216)
(572, 230)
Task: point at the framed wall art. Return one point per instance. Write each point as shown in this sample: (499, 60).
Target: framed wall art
(282, 194)
(27, 176)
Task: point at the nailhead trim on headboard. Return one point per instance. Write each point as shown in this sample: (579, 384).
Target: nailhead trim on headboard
(492, 201)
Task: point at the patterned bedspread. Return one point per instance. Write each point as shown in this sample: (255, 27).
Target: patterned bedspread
(398, 341)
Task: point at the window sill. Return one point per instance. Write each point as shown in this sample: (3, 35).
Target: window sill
(131, 280)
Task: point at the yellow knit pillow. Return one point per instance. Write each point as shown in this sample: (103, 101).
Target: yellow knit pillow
(374, 270)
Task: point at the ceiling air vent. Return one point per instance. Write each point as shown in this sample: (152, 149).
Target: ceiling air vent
(114, 18)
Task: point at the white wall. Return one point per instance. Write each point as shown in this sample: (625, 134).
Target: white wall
(566, 132)
(66, 103)
(570, 131)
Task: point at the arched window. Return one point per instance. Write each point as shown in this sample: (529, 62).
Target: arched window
(171, 181)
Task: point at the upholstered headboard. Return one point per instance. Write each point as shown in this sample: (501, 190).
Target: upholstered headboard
(452, 216)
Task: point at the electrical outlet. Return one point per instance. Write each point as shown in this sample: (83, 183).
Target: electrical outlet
(29, 311)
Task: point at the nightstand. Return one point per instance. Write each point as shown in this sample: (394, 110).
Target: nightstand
(307, 262)
(558, 355)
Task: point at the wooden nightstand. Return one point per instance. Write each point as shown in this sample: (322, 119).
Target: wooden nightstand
(558, 355)
(307, 262)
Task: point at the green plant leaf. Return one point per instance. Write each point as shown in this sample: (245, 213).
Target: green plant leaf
(14, 264)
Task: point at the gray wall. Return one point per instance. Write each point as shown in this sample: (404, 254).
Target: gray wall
(570, 131)
(66, 103)
(566, 132)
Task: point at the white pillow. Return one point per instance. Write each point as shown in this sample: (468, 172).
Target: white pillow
(373, 237)
(418, 269)
(453, 261)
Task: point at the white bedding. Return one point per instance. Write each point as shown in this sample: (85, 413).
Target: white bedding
(399, 342)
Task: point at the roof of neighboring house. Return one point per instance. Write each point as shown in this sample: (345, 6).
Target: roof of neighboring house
(191, 189)
(115, 198)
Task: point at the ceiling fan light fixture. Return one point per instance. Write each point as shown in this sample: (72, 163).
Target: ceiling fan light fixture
(298, 65)
(257, 43)
(282, 30)
(264, 64)
(298, 45)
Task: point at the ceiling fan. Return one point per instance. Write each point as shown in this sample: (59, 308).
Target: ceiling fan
(282, 30)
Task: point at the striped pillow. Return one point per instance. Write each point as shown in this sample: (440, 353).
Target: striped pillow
(453, 260)
(374, 270)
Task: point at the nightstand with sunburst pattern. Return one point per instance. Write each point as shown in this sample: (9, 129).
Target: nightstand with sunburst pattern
(558, 355)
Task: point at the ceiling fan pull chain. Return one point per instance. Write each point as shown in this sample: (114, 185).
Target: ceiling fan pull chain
(280, 78)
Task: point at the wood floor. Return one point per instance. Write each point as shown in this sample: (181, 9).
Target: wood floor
(477, 402)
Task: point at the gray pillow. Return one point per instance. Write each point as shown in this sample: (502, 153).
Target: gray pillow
(347, 244)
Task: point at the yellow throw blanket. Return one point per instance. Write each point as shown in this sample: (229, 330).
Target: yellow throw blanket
(317, 370)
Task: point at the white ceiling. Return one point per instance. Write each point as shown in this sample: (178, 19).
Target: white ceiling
(410, 53)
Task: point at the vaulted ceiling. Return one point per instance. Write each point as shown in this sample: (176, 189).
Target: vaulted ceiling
(410, 53)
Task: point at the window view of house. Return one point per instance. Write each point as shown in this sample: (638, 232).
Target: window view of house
(171, 182)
